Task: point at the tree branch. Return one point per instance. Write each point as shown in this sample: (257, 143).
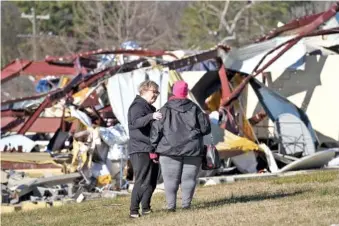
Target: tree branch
(238, 16)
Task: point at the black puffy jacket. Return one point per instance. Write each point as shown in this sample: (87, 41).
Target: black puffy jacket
(140, 117)
(180, 132)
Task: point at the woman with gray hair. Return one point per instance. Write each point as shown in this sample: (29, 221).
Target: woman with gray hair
(141, 114)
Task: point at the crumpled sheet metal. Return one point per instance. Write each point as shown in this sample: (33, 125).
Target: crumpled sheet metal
(83, 117)
(114, 135)
(118, 152)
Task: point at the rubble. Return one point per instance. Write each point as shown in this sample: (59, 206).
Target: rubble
(259, 131)
(83, 180)
(32, 193)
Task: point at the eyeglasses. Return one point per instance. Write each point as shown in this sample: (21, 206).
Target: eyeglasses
(154, 91)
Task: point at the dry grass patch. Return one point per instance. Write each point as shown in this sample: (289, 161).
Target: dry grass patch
(325, 176)
(298, 200)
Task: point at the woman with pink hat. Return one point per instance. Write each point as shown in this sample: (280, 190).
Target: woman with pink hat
(178, 139)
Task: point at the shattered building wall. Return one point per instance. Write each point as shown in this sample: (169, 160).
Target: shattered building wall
(313, 88)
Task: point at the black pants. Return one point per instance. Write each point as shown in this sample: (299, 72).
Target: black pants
(146, 174)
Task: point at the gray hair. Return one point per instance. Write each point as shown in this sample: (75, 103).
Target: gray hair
(145, 85)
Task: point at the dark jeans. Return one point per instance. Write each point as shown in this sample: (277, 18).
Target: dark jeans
(146, 175)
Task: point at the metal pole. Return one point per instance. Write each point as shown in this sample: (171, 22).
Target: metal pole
(34, 33)
(121, 167)
(33, 18)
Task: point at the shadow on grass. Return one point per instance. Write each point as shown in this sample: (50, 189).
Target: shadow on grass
(245, 199)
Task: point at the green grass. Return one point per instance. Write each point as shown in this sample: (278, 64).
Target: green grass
(311, 199)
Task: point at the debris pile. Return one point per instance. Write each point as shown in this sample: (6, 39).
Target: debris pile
(261, 104)
(91, 164)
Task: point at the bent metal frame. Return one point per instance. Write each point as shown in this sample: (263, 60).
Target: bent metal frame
(303, 27)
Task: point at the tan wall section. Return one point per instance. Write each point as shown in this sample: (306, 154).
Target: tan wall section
(323, 108)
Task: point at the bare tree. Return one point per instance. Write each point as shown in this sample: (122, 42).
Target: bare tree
(239, 23)
(226, 23)
(209, 23)
(107, 24)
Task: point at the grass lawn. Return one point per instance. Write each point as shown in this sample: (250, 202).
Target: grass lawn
(311, 199)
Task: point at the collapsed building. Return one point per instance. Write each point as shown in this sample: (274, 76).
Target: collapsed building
(272, 106)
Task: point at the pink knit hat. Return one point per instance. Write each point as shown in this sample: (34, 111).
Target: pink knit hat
(180, 89)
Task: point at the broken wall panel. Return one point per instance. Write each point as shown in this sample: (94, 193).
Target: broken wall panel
(314, 90)
(275, 105)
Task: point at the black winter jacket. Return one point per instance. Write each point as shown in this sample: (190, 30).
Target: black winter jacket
(180, 132)
(140, 117)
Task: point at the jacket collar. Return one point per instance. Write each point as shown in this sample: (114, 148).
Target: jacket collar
(177, 98)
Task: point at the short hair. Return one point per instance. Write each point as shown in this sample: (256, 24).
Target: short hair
(145, 85)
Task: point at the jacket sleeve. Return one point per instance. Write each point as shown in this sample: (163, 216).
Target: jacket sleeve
(139, 118)
(204, 122)
(156, 134)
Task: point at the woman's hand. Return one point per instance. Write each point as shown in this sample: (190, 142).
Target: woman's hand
(157, 115)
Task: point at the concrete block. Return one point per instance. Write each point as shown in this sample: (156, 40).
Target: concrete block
(211, 182)
(70, 189)
(227, 180)
(80, 198)
(216, 180)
